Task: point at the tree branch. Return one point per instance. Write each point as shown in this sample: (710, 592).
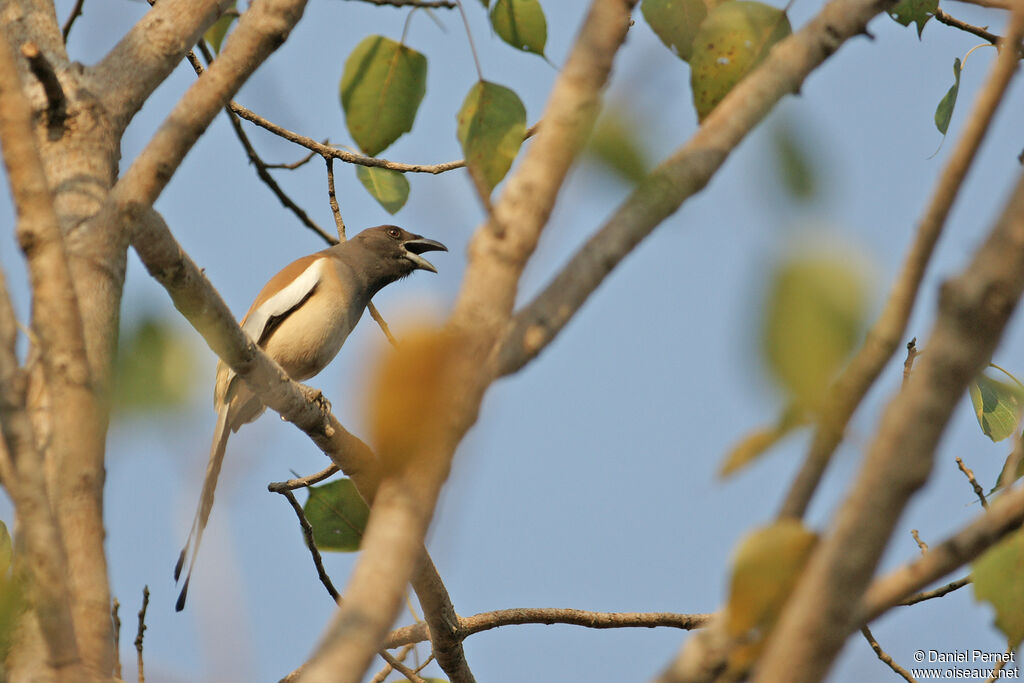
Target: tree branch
(486, 621)
(430, 4)
(679, 177)
(973, 311)
(195, 298)
(1003, 517)
(261, 29)
(147, 54)
(498, 254)
(59, 339)
(883, 339)
(884, 656)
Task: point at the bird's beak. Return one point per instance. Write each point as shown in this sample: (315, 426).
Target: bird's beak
(418, 245)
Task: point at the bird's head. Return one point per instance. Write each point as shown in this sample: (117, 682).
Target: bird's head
(399, 252)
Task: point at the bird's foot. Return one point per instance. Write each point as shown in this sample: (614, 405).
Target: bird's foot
(317, 396)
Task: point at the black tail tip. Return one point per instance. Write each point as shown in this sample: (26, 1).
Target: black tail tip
(180, 605)
(180, 564)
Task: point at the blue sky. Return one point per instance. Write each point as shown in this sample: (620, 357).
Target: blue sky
(589, 480)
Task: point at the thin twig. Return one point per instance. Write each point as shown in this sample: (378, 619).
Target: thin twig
(76, 12)
(295, 164)
(116, 618)
(429, 4)
(469, 37)
(307, 532)
(254, 158)
(882, 655)
(908, 364)
(142, 630)
(302, 482)
(386, 670)
(979, 31)
(486, 621)
(936, 592)
(332, 198)
(917, 539)
(339, 223)
(978, 491)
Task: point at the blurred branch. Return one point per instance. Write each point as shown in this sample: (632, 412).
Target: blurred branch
(679, 177)
(498, 253)
(973, 311)
(937, 592)
(898, 586)
(485, 621)
(882, 340)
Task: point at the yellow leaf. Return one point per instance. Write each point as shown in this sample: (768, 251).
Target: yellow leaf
(766, 567)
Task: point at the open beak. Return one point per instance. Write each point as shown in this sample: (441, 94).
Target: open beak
(419, 245)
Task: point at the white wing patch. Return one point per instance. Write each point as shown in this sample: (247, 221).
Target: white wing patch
(284, 301)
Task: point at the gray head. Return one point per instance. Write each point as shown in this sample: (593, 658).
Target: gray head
(388, 253)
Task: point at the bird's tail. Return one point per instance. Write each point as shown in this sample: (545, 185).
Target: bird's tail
(220, 441)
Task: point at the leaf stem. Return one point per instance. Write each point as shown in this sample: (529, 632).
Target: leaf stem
(469, 36)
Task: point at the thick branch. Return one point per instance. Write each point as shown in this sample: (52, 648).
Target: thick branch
(499, 252)
(147, 54)
(59, 336)
(485, 621)
(261, 29)
(973, 311)
(1003, 517)
(884, 337)
(680, 176)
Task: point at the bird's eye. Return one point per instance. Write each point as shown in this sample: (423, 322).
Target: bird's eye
(395, 232)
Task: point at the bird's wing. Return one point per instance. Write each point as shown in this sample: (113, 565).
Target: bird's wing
(282, 295)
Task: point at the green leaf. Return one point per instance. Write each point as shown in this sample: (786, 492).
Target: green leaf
(390, 188)
(485, 3)
(997, 405)
(676, 22)
(492, 125)
(1018, 473)
(917, 11)
(215, 34)
(154, 368)
(6, 550)
(338, 516)
(998, 578)
(521, 24)
(381, 89)
(615, 145)
(796, 163)
(735, 37)
(944, 112)
(814, 317)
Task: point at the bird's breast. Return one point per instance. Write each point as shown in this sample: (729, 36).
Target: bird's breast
(313, 334)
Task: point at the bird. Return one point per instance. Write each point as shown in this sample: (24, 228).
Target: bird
(301, 318)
